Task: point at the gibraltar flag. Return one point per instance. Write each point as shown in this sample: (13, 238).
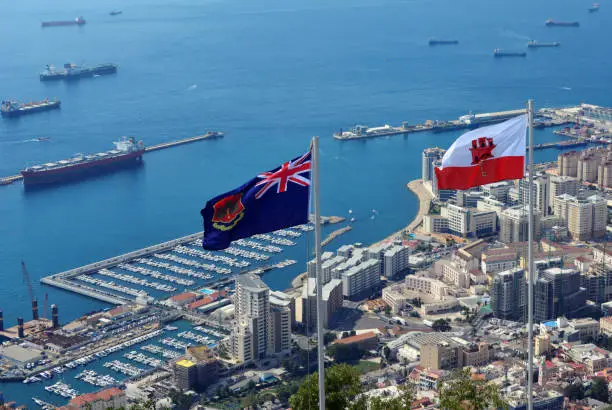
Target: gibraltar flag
(485, 155)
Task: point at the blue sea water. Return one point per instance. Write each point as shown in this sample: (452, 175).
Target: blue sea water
(270, 74)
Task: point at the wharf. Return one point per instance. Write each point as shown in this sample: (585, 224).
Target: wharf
(546, 117)
(209, 135)
(335, 234)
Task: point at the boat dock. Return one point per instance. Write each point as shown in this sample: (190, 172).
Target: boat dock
(209, 135)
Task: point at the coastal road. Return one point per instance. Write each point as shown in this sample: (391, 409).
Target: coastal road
(425, 198)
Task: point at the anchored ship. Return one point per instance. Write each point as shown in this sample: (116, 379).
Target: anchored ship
(535, 44)
(115, 12)
(498, 52)
(79, 21)
(435, 42)
(552, 23)
(127, 152)
(74, 72)
(12, 108)
(594, 8)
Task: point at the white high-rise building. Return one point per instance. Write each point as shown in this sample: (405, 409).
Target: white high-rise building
(253, 335)
(498, 190)
(585, 218)
(514, 222)
(360, 278)
(540, 190)
(560, 184)
(396, 260)
(429, 156)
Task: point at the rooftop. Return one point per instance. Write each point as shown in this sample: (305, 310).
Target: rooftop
(183, 296)
(103, 395)
(355, 339)
(201, 354)
(252, 282)
(185, 363)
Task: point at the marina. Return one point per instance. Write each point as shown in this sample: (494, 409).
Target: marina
(177, 266)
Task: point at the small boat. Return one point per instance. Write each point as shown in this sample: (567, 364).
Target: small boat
(594, 8)
(39, 139)
(171, 328)
(352, 220)
(115, 12)
(503, 53)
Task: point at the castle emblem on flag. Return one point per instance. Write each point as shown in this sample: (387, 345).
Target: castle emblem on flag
(228, 211)
(482, 149)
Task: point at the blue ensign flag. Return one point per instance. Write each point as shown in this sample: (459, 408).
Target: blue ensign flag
(272, 200)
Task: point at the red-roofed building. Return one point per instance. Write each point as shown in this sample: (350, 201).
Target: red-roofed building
(112, 398)
(206, 300)
(365, 341)
(183, 299)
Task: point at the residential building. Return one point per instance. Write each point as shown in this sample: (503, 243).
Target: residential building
(516, 398)
(435, 224)
(306, 305)
(378, 252)
(586, 329)
(206, 366)
(605, 325)
(364, 341)
(185, 375)
(450, 272)
(594, 358)
(598, 284)
(514, 222)
(558, 293)
(567, 163)
(361, 279)
(586, 218)
(498, 190)
(311, 266)
(426, 285)
(442, 195)
(469, 198)
(540, 192)
(395, 260)
(441, 356)
(491, 204)
(603, 254)
(280, 322)
(508, 295)
(562, 184)
(282, 300)
(430, 155)
(252, 313)
(604, 172)
(112, 398)
(476, 354)
(498, 260)
(587, 165)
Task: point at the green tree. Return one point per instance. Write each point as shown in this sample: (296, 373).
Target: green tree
(345, 353)
(387, 310)
(462, 392)
(249, 401)
(329, 337)
(341, 386)
(284, 391)
(599, 390)
(400, 402)
(441, 325)
(574, 391)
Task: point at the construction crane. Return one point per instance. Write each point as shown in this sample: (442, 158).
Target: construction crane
(46, 307)
(26, 278)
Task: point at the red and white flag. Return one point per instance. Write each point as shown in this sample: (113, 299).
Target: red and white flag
(485, 155)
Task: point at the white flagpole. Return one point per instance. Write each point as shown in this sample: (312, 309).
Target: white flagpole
(531, 274)
(317, 224)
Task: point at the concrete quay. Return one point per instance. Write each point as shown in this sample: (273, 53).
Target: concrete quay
(549, 117)
(62, 280)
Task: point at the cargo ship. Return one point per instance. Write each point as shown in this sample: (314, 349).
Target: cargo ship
(79, 21)
(594, 8)
(552, 23)
(127, 152)
(498, 52)
(115, 12)
(13, 108)
(535, 44)
(74, 72)
(435, 42)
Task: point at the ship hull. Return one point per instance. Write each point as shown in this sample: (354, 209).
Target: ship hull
(61, 23)
(88, 72)
(82, 170)
(31, 110)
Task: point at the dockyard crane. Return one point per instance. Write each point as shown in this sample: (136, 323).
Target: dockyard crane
(26, 278)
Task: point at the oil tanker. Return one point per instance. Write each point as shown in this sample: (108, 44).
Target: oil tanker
(12, 108)
(79, 21)
(435, 42)
(535, 44)
(498, 52)
(74, 72)
(127, 152)
(552, 23)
